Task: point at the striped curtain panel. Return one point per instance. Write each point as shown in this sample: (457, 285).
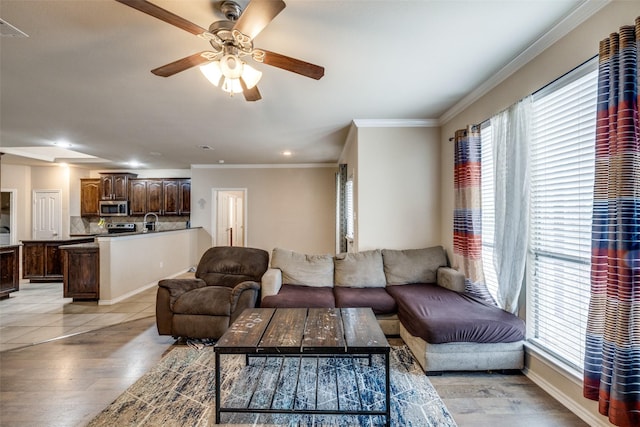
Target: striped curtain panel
(467, 214)
(612, 355)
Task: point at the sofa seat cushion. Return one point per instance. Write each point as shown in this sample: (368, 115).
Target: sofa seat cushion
(376, 298)
(210, 300)
(298, 296)
(438, 315)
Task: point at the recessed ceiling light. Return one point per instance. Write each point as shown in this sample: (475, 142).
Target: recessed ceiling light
(134, 163)
(62, 143)
(287, 153)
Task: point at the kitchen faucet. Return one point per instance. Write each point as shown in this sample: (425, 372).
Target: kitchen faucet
(154, 225)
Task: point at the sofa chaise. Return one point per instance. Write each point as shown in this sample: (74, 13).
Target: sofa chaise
(413, 293)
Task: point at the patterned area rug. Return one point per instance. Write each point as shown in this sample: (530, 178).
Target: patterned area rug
(179, 391)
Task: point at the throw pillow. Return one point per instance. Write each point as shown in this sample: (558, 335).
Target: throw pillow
(302, 269)
(360, 270)
(413, 265)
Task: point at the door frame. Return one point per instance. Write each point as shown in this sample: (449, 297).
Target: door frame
(13, 220)
(34, 212)
(214, 212)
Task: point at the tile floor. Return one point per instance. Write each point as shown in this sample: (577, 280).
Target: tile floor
(38, 313)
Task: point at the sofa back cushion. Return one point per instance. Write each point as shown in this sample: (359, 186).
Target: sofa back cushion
(413, 265)
(302, 269)
(360, 270)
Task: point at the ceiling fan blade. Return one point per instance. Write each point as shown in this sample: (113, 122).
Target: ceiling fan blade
(164, 15)
(180, 65)
(294, 65)
(252, 94)
(257, 16)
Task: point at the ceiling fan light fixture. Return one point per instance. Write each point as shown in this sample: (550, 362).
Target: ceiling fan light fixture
(227, 72)
(212, 72)
(251, 76)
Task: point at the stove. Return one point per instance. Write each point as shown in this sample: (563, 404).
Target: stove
(121, 227)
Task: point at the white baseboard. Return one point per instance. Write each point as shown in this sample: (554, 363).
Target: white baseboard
(137, 291)
(577, 408)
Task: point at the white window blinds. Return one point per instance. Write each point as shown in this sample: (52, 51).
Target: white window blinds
(349, 210)
(562, 174)
(488, 209)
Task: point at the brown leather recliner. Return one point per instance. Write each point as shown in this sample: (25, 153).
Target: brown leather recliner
(226, 282)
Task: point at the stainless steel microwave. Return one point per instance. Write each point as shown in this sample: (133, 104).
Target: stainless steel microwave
(114, 208)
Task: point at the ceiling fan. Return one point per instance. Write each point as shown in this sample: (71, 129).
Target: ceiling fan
(231, 40)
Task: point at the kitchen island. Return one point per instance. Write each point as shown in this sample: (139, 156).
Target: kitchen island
(9, 267)
(113, 267)
(42, 258)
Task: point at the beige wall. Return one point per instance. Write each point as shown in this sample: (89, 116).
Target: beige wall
(288, 207)
(398, 187)
(572, 50)
(575, 48)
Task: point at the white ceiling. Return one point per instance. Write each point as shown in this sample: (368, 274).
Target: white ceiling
(83, 75)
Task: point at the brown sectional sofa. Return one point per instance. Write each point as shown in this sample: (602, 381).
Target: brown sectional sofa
(413, 293)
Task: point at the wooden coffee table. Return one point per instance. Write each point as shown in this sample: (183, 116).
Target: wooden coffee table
(300, 332)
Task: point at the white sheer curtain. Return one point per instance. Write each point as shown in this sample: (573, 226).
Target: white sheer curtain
(511, 140)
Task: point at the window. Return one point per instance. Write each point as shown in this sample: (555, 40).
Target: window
(562, 174)
(349, 208)
(488, 215)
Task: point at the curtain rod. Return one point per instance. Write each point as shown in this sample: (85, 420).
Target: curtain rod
(547, 85)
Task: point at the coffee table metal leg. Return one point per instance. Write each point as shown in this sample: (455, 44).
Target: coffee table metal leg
(217, 387)
(388, 384)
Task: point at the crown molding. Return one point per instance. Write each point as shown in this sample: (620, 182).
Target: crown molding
(266, 166)
(396, 123)
(581, 13)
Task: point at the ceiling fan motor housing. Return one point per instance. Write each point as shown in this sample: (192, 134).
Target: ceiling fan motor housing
(231, 10)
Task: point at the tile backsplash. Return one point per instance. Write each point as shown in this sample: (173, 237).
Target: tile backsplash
(86, 225)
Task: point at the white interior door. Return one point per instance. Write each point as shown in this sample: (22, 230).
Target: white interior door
(229, 217)
(47, 214)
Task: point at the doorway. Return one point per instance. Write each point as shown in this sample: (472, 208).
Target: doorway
(229, 216)
(8, 217)
(47, 214)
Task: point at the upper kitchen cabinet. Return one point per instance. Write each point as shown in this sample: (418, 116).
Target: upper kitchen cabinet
(115, 186)
(162, 196)
(184, 192)
(138, 196)
(90, 196)
(177, 196)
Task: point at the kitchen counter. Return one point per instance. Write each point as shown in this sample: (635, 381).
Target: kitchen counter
(61, 240)
(133, 262)
(42, 258)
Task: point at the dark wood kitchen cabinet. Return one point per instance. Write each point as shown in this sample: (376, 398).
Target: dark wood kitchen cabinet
(81, 271)
(115, 186)
(42, 259)
(90, 196)
(154, 196)
(138, 197)
(9, 266)
(162, 196)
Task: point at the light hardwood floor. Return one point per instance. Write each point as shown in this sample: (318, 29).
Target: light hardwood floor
(67, 381)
